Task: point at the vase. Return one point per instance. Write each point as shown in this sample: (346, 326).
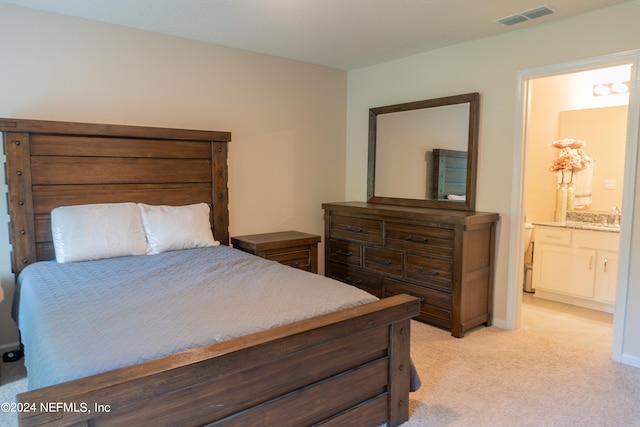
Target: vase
(562, 199)
(570, 197)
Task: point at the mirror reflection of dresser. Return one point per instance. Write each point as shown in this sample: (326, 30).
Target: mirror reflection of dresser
(408, 237)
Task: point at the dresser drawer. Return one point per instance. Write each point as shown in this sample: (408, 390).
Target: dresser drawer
(356, 229)
(345, 252)
(369, 282)
(435, 306)
(384, 261)
(300, 259)
(431, 240)
(430, 271)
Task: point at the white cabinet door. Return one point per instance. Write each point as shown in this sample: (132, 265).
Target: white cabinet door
(606, 276)
(566, 270)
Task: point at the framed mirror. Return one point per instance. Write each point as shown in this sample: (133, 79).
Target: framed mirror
(424, 153)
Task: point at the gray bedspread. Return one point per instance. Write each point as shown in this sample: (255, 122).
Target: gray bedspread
(84, 318)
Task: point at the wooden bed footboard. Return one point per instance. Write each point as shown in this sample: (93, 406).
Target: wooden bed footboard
(351, 367)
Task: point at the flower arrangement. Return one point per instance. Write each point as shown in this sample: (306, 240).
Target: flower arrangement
(572, 157)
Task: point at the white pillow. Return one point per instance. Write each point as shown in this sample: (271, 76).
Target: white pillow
(90, 232)
(171, 228)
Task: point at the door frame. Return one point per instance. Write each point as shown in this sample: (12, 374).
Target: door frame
(516, 242)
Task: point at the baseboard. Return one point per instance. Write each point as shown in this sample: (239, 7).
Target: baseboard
(499, 323)
(630, 360)
(9, 346)
(580, 302)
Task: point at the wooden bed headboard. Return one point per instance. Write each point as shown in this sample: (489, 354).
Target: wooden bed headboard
(50, 164)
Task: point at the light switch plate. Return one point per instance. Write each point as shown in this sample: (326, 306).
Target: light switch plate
(609, 184)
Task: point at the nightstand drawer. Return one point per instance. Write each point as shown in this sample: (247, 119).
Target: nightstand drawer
(299, 259)
(292, 248)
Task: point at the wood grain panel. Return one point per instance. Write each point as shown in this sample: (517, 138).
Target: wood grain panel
(45, 198)
(324, 364)
(93, 146)
(18, 176)
(35, 127)
(357, 386)
(117, 170)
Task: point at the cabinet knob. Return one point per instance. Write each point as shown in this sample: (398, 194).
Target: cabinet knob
(345, 253)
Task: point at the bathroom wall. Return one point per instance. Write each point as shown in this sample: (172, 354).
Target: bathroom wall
(605, 131)
(564, 107)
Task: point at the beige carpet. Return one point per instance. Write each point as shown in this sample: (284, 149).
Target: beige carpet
(494, 377)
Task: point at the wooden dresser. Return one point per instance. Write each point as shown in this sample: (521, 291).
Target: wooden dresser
(443, 257)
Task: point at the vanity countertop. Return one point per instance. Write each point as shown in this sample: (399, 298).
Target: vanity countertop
(579, 225)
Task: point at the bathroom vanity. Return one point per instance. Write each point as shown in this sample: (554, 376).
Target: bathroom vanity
(576, 263)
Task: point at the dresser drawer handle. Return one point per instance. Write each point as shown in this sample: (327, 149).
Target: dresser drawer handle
(422, 298)
(382, 261)
(349, 279)
(354, 229)
(430, 273)
(345, 253)
(417, 239)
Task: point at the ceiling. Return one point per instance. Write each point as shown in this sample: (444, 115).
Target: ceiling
(344, 34)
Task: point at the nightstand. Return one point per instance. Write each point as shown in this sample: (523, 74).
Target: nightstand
(293, 248)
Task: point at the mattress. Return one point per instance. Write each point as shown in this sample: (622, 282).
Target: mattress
(80, 319)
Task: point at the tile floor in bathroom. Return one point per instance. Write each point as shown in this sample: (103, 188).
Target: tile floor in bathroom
(569, 323)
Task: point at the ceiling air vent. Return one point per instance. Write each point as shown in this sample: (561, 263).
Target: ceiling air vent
(527, 15)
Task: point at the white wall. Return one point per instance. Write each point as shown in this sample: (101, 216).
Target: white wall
(287, 119)
(490, 66)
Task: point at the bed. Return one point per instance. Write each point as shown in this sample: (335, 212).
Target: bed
(347, 366)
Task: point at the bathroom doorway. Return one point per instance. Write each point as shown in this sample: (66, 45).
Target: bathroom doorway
(553, 100)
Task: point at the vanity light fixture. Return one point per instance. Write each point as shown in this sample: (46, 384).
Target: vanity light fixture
(617, 88)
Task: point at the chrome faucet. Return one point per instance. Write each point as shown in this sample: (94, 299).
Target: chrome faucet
(616, 216)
